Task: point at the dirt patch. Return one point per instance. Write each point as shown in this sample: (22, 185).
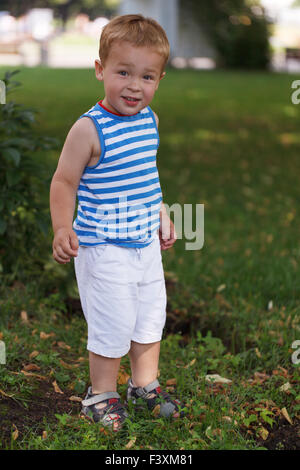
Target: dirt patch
(45, 404)
(284, 437)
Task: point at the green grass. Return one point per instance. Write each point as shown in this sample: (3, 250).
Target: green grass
(228, 140)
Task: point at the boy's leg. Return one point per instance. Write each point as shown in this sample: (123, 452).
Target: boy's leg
(103, 373)
(144, 362)
(144, 370)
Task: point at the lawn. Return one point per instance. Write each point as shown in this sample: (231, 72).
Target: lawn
(230, 141)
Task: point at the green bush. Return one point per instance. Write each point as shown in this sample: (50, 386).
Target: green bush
(24, 215)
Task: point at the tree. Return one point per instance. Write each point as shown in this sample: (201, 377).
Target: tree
(238, 29)
(63, 9)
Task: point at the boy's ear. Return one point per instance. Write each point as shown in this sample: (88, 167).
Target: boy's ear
(99, 70)
(160, 78)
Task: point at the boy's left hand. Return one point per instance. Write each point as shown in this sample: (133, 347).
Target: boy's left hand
(167, 232)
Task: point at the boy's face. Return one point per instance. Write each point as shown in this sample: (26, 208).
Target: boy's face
(131, 76)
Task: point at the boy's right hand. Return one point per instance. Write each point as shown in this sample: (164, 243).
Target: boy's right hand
(65, 245)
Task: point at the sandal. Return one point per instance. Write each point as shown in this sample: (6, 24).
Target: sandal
(112, 415)
(153, 396)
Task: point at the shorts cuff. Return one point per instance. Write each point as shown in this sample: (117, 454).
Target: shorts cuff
(107, 353)
(147, 339)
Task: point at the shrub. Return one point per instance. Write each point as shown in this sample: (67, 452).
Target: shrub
(24, 212)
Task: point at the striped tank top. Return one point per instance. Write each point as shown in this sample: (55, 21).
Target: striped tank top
(119, 198)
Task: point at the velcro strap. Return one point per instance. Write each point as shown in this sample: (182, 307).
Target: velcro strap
(151, 386)
(100, 397)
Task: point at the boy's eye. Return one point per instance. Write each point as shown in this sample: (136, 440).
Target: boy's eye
(123, 73)
(148, 77)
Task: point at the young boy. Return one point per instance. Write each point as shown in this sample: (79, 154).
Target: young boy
(109, 159)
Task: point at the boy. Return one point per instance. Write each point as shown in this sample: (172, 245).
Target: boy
(109, 159)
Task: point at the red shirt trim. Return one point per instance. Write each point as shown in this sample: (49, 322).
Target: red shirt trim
(117, 114)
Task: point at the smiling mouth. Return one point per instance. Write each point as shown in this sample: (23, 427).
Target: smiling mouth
(130, 98)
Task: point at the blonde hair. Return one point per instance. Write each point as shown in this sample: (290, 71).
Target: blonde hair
(138, 31)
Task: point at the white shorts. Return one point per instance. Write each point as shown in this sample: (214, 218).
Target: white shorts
(123, 296)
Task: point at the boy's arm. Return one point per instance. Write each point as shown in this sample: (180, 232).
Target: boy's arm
(167, 233)
(76, 153)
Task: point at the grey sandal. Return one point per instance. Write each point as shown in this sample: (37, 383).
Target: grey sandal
(112, 415)
(153, 396)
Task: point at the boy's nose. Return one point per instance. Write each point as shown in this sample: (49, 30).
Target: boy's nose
(134, 85)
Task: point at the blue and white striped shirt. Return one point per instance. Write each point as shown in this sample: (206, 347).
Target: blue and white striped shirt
(119, 198)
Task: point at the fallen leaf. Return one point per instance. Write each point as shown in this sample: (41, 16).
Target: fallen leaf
(33, 354)
(31, 367)
(5, 394)
(227, 418)
(56, 387)
(263, 432)
(31, 374)
(285, 387)
(221, 287)
(216, 378)
(44, 335)
(130, 443)
(74, 398)
(44, 435)
(286, 415)
(63, 345)
(156, 410)
(123, 377)
(15, 434)
(24, 317)
(257, 352)
(1, 336)
(190, 364)
(171, 382)
(68, 366)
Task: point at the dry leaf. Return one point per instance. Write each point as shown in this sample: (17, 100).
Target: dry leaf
(123, 377)
(63, 345)
(257, 352)
(31, 367)
(5, 394)
(156, 410)
(24, 317)
(263, 433)
(31, 374)
(286, 415)
(68, 366)
(56, 387)
(216, 378)
(227, 418)
(130, 443)
(33, 354)
(285, 387)
(44, 435)
(15, 434)
(1, 336)
(190, 364)
(74, 398)
(171, 382)
(221, 287)
(44, 335)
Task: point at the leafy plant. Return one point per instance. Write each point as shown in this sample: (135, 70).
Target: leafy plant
(24, 217)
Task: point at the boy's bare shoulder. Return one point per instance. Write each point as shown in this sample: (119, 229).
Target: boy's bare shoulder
(84, 134)
(156, 118)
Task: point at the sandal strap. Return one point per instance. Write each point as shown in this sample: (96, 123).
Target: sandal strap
(141, 391)
(100, 397)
